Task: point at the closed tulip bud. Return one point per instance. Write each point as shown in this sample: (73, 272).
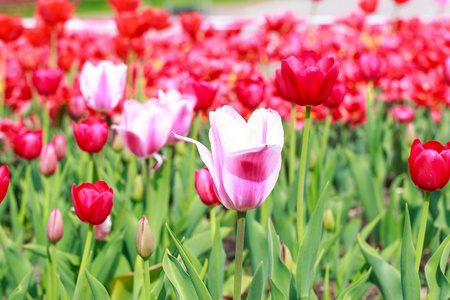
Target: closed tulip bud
(117, 143)
(28, 144)
(312, 160)
(47, 82)
(102, 230)
(410, 134)
(180, 148)
(138, 189)
(59, 141)
(77, 107)
(205, 92)
(205, 187)
(286, 256)
(250, 92)
(4, 181)
(55, 226)
(48, 160)
(370, 65)
(328, 221)
(91, 134)
(145, 244)
(127, 155)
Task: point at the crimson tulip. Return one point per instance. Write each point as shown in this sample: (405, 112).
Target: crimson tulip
(191, 23)
(47, 82)
(28, 144)
(309, 79)
(250, 91)
(4, 181)
(92, 202)
(369, 6)
(205, 187)
(429, 165)
(91, 134)
(205, 92)
(124, 5)
(370, 65)
(336, 96)
(55, 11)
(10, 27)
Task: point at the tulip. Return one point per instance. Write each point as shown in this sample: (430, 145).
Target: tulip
(280, 86)
(92, 202)
(246, 158)
(181, 108)
(191, 23)
(117, 143)
(205, 187)
(205, 92)
(369, 6)
(161, 19)
(91, 134)
(124, 5)
(28, 144)
(429, 165)
(103, 86)
(55, 11)
(77, 107)
(55, 226)
(370, 65)
(10, 27)
(328, 221)
(102, 230)
(309, 79)
(138, 188)
(4, 181)
(447, 70)
(59, 141)
(47, 82)
(145, 127)
(403, 113)
(336, 96)
(400, 1)
(250, 91)
(48, 160)
(145, 244)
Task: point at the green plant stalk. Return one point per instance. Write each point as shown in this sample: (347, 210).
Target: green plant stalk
(369, 110)
(117, 164)
(192, 159)
(90, 177)
(301, 178)
(239, 254)
(100, 165)
(23, 203)
(292, 144)
(147, 280)
(52, 284)
(46, 122)
(212, 221)
(47, 188)
(87, 247)
(423, 225)
(148, 190)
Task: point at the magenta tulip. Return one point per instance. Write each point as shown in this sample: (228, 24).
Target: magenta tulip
(92, 202)
(91, 134)
(59, 141)
(205, 92)
(4, 181)
(246, 156)
(204, 186)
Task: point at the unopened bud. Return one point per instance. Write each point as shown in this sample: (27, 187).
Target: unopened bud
(59, 141)
(205, 187)
(286, 256)
(117, 143)
(410, 134)
(138, 189)
(126, 154)
(102, 230)
(312, 159)
(145, 245)
(180, 148)
(55, 226)
(328, 221)
(48, 161)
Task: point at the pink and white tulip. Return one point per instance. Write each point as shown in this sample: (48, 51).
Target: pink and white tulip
(103, 86)
(245, 160)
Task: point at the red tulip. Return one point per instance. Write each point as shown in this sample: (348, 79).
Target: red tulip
(161, 19)
(92, 202)
(28, 144)
(48, 160)
(205, 187)
(205, 92)
(250, 91)
(447, 70)
(400, 1)
(371, 66)
(124, 5)
(47, 82)
(403, 113)
(191, 23)
(336, 96)
(91, 134)
(280, 86)
(4, 181)
(59, 141)
(55, 11)
(429, 165)
(309, 79)
(10, 27)
(369, 6)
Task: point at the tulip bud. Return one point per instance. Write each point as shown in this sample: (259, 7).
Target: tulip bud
(77, 107)
(410, 134)
(59, 141)
(126, 155)
(117, 143)
(180, 148)
(47, 82)
(286, 256)
(145, 245)
(328, 221)
(138, 189)
(55, 226)
(102, 230)
(312, 160)
(205, 187)
(48, 160)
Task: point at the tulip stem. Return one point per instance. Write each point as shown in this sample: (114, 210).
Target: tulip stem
(87, 247)
(212, 221)
(239, 254)
(147, 280)
(323, 148)
(23, 204)
(148, 190)
(3, 62)
(192, 159)
(423, 225)
(301, 178)
(52, 290)
(46, 122)
(292, 144)
(47, 198)
(91, 168)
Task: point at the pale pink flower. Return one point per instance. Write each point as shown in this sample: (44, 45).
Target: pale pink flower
(102, 230)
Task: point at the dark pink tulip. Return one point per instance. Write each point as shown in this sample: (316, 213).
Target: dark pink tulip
(4, 181)
(370, 65)
(48, 160)
(336, 96)
(77, 107)
(28, 144)
(59, 141)
(91, 134)
(47, 82)
(205, 92)
(205, 187)
(92, 202)
(250, 91)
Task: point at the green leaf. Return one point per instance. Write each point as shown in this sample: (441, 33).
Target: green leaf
(357, 288)
(200, 243)
(279, 275)
(256, 289)
(98, 290)
(438, 283)
(62, 290)
(200, 287)
(307, 253)
(409, 275)
(21, 290)
(257, 242)
(138, 280)
(388, 278)
(216, 269)
(180, 280)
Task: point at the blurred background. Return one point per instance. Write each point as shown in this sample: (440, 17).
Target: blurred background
(245, 8)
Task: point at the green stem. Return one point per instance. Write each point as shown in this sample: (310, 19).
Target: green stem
(147, 279)
(90, 177)
(192, 159)
(301, 178)
(100, 165)
(87, 248)
(46, 121)
(239, 254)
(23, 204)
(292, 144)
(212, 221)
(148, 190)
(423, 225)
(52, 286)
(47, 198)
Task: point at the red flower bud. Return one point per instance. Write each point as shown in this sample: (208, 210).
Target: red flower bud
(250, 91)
(55, 11)
(124, 5)
(47, 82)
(91, 134)
(92, 202)
(429, 165)
(10, 27)
(4, 181)
(48, 160)
(59, 141)
(28, 144)
(205, 91)
(77, 107)
(205, 187)
(55, 226)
